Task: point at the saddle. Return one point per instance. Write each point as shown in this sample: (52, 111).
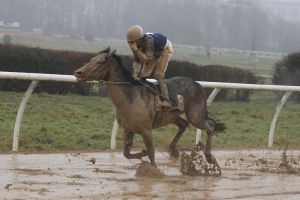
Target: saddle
(175, 99)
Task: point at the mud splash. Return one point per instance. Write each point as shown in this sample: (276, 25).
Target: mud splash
(281, 164)
(195, 163)
(288, 165)
(145, 169)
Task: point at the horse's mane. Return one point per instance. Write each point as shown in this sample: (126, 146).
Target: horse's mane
(119, 61)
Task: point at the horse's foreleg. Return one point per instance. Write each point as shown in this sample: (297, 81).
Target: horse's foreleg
(128, 141)
(182, 125)
(148, 140)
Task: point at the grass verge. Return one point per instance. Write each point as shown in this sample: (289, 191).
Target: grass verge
(72, 122)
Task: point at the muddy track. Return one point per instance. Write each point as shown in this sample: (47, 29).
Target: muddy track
(245, 175)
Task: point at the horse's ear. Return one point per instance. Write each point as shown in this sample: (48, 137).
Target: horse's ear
(107, 50)
(113, 52)
(114, 55)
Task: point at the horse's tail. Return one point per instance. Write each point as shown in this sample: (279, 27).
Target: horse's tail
(218, 126)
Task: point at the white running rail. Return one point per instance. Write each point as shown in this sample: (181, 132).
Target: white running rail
(35, 77)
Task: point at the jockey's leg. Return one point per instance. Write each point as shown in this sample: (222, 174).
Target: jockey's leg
(160, 71)
(164, 92)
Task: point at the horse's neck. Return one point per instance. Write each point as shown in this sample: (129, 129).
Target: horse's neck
(118, 73)
(117, 95)
(119, 92)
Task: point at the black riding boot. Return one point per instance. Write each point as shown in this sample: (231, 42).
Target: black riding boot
(164, 92)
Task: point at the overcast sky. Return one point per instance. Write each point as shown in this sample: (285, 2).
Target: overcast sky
(210, 23)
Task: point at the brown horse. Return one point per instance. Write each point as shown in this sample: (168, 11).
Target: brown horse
(136, 109)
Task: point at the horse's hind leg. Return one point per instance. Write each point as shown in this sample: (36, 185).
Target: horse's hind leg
(209, 130)
(197, 117)
(128, 141)
(181, 124)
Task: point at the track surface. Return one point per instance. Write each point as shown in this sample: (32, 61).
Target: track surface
(74, 176)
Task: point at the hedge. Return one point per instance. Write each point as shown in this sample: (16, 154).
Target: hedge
(287, 72)
(17, 58)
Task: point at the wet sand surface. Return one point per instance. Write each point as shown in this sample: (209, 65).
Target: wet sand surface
(105, 175)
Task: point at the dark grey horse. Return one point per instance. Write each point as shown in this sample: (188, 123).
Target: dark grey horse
(136, 108)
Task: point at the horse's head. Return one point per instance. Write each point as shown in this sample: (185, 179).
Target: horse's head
(97, 68)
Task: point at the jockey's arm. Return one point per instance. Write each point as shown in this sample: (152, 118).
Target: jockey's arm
(146, 57)
(136, 69)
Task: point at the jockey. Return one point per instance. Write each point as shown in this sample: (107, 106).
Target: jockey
(151, 52)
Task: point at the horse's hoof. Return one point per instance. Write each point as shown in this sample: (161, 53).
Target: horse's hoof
(174, 153)
(144, 153)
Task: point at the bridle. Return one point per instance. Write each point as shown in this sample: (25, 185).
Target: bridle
(103, 82)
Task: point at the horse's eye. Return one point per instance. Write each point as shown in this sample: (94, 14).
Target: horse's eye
(101, 61)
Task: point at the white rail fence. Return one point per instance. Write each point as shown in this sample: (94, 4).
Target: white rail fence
(226, 51)
(35, 77)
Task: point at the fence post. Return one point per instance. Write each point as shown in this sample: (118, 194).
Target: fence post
(20, 114)
(274, 121)
(114, 133)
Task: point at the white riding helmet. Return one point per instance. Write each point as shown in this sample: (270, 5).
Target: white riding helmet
(135, 32)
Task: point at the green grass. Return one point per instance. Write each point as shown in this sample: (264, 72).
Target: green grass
(53, 122)
(73, 122)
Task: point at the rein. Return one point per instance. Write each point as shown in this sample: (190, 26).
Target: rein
(155, 92)
(115, 82)
(129, 83)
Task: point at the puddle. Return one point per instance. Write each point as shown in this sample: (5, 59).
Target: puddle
(245, 175)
